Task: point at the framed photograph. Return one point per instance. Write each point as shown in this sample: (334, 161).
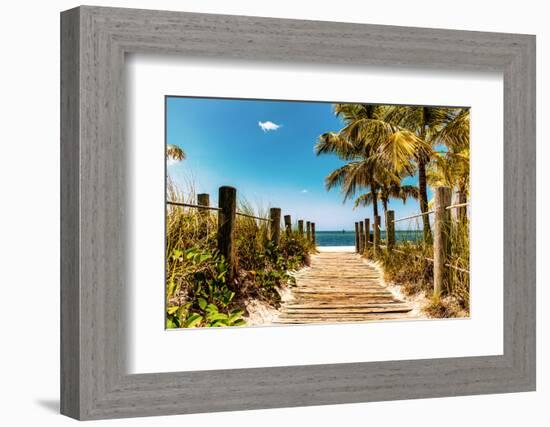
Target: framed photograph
(261, 213)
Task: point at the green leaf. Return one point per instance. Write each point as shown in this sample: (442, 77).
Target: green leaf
(193, 320)
(202, 303)
(211, 308)
(182, 311)
(172, 309)
(176, 254)
(228, 297)
(216, 316)
(205, 257)
(171, 287)
(239, 322)
(235, 314)
(219, 323)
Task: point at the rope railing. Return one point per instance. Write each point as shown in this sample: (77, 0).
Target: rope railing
(459, 205)
(191, 205)
(213, 208)
(442, 223)
(454, 267)
(414, 216)
(253, 217)
(227, 224)
(414, 255)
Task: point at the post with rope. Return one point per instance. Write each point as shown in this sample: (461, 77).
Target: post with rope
(442, 228)
(288, 225)
(308, 231)
(275, 225)
(313, 240)
(203, 199)
(227, 203)
(367, 231)
(301, 227)
(390, 229)
(376, 233)
(362, 242)
(357, 237)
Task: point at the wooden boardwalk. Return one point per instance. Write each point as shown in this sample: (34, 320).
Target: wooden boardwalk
(340, 287)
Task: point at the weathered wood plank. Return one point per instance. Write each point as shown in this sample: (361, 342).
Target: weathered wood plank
(340, 287)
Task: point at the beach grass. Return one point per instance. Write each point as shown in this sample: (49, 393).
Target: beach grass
(410, 265)
(198, 293)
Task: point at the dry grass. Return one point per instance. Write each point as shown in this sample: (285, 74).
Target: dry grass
(411, 268)
(197, 292)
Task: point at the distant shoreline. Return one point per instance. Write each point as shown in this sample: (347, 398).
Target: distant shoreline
(347, 238)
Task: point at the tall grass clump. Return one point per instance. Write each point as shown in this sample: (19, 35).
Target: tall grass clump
(410, 265)
(198, 293)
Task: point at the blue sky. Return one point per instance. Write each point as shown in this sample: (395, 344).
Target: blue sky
(265, 150)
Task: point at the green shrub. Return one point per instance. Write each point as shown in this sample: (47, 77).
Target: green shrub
(197, 292)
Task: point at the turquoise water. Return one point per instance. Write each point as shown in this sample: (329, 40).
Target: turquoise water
(347, 238)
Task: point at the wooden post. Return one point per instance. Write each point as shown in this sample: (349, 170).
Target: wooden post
(227, 202)
(442, 227)
(308, 230)
(367, 231)
(460, 213)
(275, 216)
(376, 233)
(301, 227)
(362, 243)
(288, 225)
(313, 240)
(357, 237)
(390, 229)
(203, 199)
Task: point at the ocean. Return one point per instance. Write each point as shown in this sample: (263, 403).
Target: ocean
(347, 238)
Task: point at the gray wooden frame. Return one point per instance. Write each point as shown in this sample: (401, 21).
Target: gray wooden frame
(94, 41)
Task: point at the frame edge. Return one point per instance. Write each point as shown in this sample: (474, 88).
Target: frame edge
(70, 403)
(80, 396)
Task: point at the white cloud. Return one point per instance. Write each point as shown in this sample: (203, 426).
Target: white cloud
(304, 191)
(267, 126)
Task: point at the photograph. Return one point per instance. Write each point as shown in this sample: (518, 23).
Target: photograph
(301, 212)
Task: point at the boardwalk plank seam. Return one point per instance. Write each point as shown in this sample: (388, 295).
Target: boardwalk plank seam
(340, 287)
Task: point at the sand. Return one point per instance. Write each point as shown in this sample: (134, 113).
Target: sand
(336, 248)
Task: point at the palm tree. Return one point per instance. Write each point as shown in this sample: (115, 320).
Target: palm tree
(427, 124)
(353, 175)
(366, 142)
(174, 152)
(386, 192)
(452, 167)
(350, 147)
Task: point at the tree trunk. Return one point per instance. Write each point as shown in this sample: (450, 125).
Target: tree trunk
(374, 194)
(423, 192)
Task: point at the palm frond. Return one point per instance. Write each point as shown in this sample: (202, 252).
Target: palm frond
(400, 148)
(334, 143)
(174, 152)
(408, 191)
(456, 134)
(363, 200)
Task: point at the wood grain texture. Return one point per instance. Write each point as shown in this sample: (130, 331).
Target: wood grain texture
(324, 292)
(94, 241)
(69, 153)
